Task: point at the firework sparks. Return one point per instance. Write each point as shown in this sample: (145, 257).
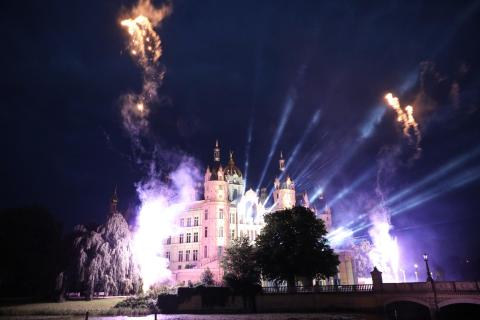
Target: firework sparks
(145, 44)
(161, 203)
(385, 253)
(406, 118)
(145, 48)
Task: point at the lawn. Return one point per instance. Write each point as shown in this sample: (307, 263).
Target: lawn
(94, 307)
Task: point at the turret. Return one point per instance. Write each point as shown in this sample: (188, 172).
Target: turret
(216, 152)
(208, 174)
(306, 201)
(284, 193)
(325, 213)
(233, 176)
(220, 173)
(215, 185)
(281, 162)
(114, 202)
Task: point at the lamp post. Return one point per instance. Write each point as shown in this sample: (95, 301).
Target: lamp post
(429, 274)
(416, 271)
(430, 279)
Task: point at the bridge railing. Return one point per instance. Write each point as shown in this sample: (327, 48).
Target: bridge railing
(456, 287)
(319, 289)
(451, 287)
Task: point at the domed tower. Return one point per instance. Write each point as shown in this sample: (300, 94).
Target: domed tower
(284, 193)
(233, 176)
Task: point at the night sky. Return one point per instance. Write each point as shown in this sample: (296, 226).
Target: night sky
(235, 65)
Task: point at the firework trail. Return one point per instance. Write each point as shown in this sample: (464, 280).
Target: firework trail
(406, 118)
(161, 201)
(145, 48)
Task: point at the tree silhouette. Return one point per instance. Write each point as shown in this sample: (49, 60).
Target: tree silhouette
(242, 273)
(206, 278)
(32, 256)
(292, 245)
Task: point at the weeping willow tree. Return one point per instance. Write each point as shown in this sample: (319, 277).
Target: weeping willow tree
(103, 259)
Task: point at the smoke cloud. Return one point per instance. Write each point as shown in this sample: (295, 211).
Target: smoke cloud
(165, 191)
(161, 203)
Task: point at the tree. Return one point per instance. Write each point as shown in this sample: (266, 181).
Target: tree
(104, 259)
(242, 273)
(206, 278)
(31, 247)
(293, 245)
(240, 266)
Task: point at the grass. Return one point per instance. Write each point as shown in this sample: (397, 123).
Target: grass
(94, 307)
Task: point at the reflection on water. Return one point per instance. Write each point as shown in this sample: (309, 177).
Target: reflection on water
(258, 316)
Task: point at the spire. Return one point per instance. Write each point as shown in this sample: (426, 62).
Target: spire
(208, 173)
(281, 162)
(114, 202)
(306, 201)
(216, 152)
(231, 156)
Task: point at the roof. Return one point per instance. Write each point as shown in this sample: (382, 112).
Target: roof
(231, 168)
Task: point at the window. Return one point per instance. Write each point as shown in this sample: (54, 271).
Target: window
(220, 251)
(233, 234)
(169, 240)
(189, 237)
(206, 214)
(205, 252)
(189, 222)
(181, 238)
(206, 232)
(181, 222)
(195, 255)
(232, 217)
(180, 256)
(195, 237)
(220, 232)
(195, 222)
(187, 255)
(167, 255)
(179, 266)
(220, 213)
(241, 233)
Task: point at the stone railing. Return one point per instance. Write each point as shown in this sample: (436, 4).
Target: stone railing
(208, 260)
(451, 287)
(319, 289)
(440, 286)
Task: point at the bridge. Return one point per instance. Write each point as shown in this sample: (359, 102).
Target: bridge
(417, 300)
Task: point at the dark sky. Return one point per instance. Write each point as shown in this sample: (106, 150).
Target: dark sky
(232, 64)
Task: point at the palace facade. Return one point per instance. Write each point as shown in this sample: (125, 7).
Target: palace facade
(227, 212)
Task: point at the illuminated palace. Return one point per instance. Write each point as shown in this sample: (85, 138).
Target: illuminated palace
(227, 212)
